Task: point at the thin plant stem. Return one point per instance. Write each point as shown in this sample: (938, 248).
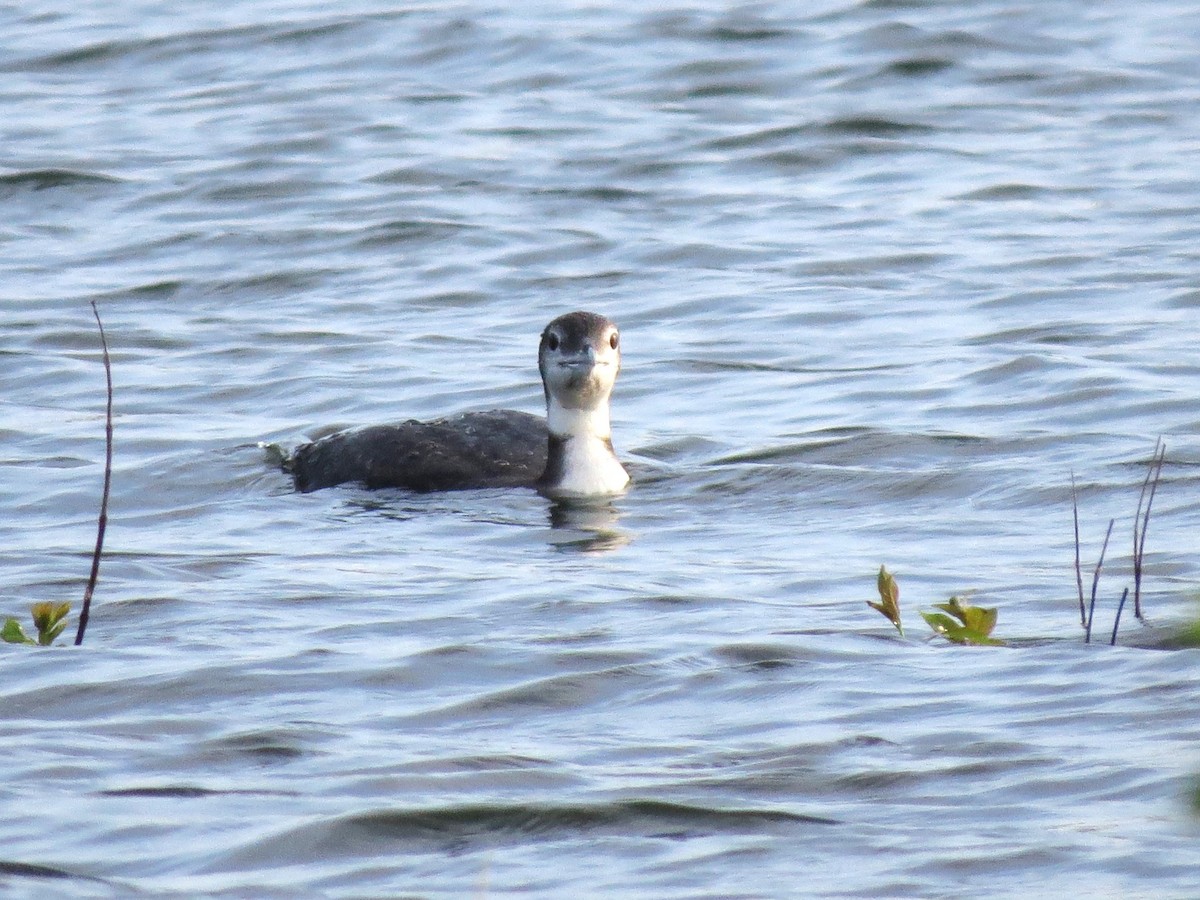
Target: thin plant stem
(1078, 570)
(1117, 620)
(1141, 522)
(1087, 634)
(102, 523)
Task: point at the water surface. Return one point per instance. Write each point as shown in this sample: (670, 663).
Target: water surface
(887, 275)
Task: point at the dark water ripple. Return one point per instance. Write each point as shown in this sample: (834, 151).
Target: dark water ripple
(889, 274)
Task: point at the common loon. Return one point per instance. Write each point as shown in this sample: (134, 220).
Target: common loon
(568, 454)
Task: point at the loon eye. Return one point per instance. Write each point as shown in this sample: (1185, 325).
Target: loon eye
(613, 340)
(552, 341)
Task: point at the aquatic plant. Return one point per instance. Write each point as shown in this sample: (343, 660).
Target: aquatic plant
(957, 622)
(48, 618)
(889, 598)
(1188, 635)
(1153, 475)
(1141, 522)
(102, 522)
(51, 618)
(964, 624)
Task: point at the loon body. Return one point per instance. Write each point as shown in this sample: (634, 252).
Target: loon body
(567, 454)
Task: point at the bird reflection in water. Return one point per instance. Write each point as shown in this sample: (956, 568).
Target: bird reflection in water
(587, 527)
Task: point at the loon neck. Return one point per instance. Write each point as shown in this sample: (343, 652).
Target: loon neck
(567, 423)
(580, 459)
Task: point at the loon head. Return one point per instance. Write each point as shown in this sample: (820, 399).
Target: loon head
(579, 358)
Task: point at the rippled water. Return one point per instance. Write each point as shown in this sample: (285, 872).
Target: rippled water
(888, 273)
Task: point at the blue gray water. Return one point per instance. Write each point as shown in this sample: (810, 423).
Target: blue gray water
(888, 273)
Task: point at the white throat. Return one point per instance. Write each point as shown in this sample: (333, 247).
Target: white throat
(587, 466)
(572, 423)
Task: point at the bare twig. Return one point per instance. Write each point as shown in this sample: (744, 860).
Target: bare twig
(1078, 570)
(1087, 634)
(102, 524)
(1117, 620)
(1142, 520)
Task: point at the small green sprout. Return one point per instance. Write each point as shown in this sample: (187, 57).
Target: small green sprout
(889, 599)
(973, 626)
(49, 618)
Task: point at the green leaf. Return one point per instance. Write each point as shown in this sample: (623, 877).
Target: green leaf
(889, 599)
(941, 623)
(1189, 636)
(50, 619)
(46, 638)
(13, 633)
(959, 632)
(889, 591)
(973, 618)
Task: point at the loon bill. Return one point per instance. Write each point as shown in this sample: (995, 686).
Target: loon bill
(567, 454)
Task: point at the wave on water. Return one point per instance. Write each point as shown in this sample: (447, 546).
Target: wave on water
(459, 826)
(49, 179)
